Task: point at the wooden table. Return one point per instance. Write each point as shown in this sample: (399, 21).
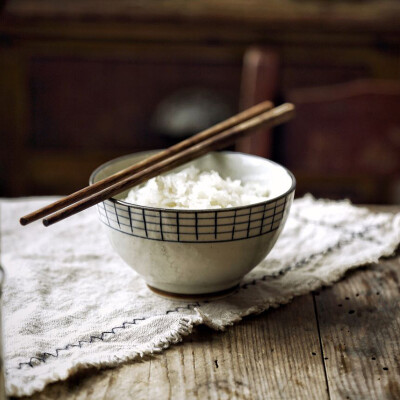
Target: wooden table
(342, 342)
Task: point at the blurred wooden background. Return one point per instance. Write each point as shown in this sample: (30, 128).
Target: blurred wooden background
(83, 82)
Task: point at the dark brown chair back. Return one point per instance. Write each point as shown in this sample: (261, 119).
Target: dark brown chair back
(345, 141)
(260, 75)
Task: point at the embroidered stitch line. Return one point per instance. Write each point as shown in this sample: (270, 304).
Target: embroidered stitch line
(36, 360)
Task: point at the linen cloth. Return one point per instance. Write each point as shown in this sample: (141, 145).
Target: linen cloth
(71, 303)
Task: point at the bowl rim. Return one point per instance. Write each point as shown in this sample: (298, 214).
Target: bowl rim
(192, 210)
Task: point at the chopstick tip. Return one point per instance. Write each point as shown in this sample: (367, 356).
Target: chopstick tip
(46, 222)
(23, 221)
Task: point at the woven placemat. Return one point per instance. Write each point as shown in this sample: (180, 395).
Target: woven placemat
(71, 303)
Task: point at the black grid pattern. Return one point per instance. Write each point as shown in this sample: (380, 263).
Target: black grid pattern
(202, 226)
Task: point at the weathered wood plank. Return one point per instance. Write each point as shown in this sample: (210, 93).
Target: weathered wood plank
(359, 321)
(271, 356)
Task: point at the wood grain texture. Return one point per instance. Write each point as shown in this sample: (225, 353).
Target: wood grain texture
(359, 321)
(271, 356)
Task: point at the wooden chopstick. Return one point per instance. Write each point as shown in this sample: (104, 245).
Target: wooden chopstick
(104, 183)
(269, 118)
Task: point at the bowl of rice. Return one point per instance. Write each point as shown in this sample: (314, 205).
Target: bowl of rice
(197, 230)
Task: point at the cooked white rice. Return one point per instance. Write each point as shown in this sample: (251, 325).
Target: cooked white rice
(195, 189)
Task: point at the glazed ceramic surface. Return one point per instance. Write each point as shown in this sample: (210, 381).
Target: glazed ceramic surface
(198, 251)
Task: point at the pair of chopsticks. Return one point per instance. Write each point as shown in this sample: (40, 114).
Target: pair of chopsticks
(214, 138)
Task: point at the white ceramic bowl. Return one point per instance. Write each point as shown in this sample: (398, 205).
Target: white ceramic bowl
(193, 252)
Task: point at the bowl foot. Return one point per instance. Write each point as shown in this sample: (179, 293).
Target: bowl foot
(201, 296)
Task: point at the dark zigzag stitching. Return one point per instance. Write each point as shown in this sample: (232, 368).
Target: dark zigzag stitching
(281, 272)
(44, 356)
(306, 260)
